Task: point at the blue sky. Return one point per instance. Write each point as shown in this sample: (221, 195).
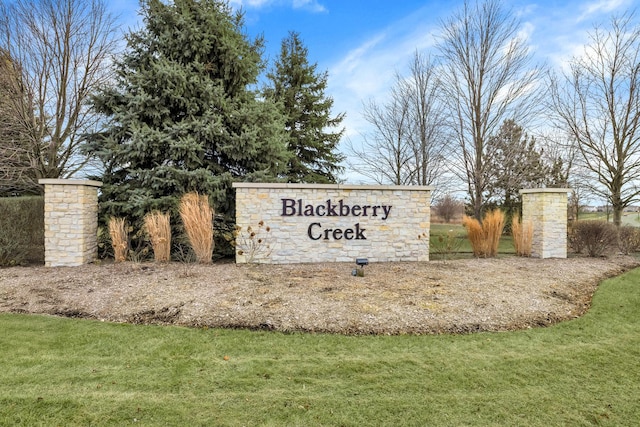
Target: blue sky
(363, 43)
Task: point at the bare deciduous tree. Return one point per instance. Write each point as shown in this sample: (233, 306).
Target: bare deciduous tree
(16, 117)
(385, 156)
(598, 102)
(61, 49)
(426, 134)
(407, 145)
(488, 77)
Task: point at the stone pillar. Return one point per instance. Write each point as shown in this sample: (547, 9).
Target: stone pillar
(546, 208)
(70, 222)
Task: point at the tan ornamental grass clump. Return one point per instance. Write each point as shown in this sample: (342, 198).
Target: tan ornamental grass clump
(522, 236)
(119, 238)
(197, 218)
(474, 233)
(485, 237)
(492, 226)
(158, 227)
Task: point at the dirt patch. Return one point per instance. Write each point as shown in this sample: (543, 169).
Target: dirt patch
(458, 296)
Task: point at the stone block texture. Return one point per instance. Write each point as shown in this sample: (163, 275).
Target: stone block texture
(70, 222)
(546, 208)
(332, 223)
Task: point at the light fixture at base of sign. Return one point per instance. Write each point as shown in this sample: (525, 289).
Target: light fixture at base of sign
(360, 262)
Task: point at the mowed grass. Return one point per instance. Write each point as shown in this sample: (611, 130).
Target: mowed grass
(72, 372)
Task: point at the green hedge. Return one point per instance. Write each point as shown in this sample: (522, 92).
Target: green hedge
(21, 230)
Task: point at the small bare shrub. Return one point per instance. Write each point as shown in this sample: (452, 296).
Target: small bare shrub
(595, 236)
(628, 239)
(184, 255)
(252, 243)
(21, 230)
(522, 236)
(574, 240)
(119, 238)
(447, 208)
(197, 217)
(158, 227)
(485, 237)
(444, 246)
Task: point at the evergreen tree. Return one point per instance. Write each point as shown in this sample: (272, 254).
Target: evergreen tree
(299, 90)
(514, 163)
(181, 116)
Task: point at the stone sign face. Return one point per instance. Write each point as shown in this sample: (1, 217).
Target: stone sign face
(298, 223)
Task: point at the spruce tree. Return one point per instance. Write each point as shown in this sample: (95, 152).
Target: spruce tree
(299, 89)
(181, 116)
(514, 162)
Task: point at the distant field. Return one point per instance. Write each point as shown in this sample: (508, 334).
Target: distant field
(628, 218)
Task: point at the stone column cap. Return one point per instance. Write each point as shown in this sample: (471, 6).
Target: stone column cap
(57, 181)
(281, 185)
(545, 190)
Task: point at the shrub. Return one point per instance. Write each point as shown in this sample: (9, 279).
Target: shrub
(197, 218)
(628, 239)
(119, 238)
(447, 208)
(485, 237)
(252, 243)
(443, 245)
(574, 240)
(522, 236)
(158, 227)
(594, 236)
(21, 230)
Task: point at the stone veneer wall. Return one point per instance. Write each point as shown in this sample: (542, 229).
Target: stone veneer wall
(70, 221)
(546, 208)
(299, 237)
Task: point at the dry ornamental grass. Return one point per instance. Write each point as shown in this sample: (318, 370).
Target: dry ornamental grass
(522, 236)
(197, 217)
(485, 237)
(119, 239)
(459, 296)
(158, 227)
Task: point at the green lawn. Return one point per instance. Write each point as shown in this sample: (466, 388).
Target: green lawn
(81, 372)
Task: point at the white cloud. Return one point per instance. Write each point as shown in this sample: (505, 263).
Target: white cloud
(602, 7)
(526, 10)
(250, 3)
(310, 5)
(526, 31)
(354, 58)
(368, 70)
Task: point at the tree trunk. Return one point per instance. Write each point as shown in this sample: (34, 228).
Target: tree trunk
(617, 207)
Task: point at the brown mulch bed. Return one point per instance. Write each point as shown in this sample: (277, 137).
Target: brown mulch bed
(459, 296)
